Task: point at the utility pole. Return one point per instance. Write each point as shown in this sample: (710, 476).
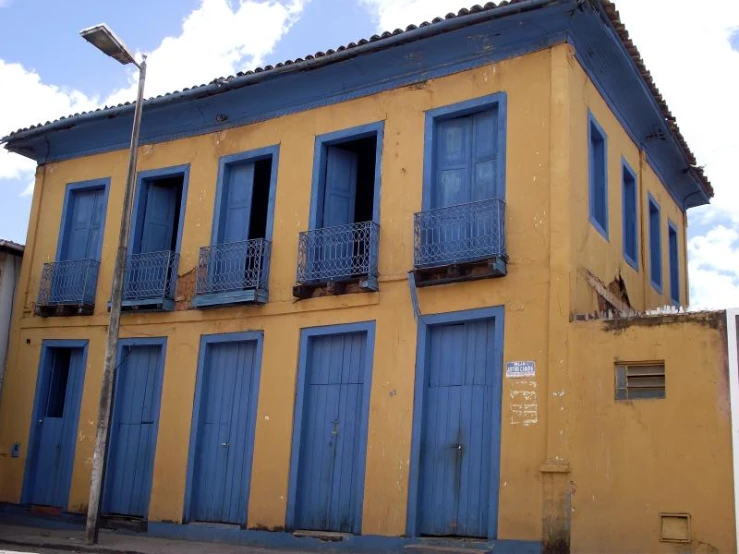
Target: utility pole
(105, 40)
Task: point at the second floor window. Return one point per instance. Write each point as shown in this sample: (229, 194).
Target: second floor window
(630, 217)
(655, 245)
(674, 262)
(597, 154)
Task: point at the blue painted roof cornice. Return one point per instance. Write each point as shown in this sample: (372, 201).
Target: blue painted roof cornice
(473, 38)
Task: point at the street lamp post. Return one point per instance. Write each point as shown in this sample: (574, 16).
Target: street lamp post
(107, 42)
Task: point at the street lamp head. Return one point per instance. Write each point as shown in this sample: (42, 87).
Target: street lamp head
(105, 40)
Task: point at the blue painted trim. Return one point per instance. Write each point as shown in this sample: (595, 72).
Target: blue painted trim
(602, 227)
(306, 335)
(413, 56)
(633, 261)
(104, 183)
(161, 342)
(351, 543)
(255, 155)
(205, 342)
(424, 322)
(143, 179)
(656, 284)
(13, 514)
(674, 269)
(28, 474)
(319, 166)
(459, 109)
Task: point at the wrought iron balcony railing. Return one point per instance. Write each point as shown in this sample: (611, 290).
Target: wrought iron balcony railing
(340, 253)
(460, 234)
(232, 268)
(151, 278)
(69, 283)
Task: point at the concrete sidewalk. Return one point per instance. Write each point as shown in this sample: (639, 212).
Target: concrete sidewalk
(115, 543)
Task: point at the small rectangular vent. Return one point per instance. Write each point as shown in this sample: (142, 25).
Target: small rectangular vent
(640, 380)
(674, 527)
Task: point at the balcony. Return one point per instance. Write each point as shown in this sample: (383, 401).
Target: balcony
(233, 273)
(334, 257)
(150, 281)
(67, 288)
(460, 243)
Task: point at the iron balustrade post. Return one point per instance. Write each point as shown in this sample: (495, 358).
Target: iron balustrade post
(111, 349)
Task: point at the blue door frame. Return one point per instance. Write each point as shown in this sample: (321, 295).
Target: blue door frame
(39, 407)
(205, 341)
(161, 342)
(424, 324)
(367, 327)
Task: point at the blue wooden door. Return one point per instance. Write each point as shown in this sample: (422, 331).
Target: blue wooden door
(465, 171)
(222, 450)
(458, 479)
(81, 240)
(55, 435)
(331, 443)
(340, 193)
(228, 266)
(132, 441)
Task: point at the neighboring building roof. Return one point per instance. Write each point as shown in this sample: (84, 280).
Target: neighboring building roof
(379, 42)
(11, 247)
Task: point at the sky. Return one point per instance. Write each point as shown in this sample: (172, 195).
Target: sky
(47, 71)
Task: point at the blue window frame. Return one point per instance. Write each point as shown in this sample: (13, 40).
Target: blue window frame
(157, 222)
(672, 244)
(487, 115)
(235, 267)
(655, 245)
(463, 207)
(342, 242)
(630, 215)
(72, 279)
(598, 170)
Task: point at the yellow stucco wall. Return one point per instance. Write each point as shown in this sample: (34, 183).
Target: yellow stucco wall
(632, 460)
(591, 250)
(526, 82)
(547, 237)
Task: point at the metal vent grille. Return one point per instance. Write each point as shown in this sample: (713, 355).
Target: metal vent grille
(640, 380)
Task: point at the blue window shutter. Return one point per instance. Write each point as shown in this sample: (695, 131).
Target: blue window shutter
(630, 218)
(655, 245)
(484, 155)
(674, 263)
(452, 163)
(159, 218)
(340, 190)
(598, 177)
(236, 202)
(84, 225)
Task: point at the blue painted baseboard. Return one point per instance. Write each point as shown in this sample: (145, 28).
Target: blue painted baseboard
(15, 514)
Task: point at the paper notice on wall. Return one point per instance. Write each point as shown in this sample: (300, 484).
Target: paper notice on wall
(516, 370)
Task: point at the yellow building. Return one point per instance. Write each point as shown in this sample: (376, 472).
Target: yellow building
(351, 301)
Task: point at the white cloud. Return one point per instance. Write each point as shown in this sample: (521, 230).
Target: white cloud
(29, 101)
(398, 14)
(216, 40)
(28, 191)
(714, 259)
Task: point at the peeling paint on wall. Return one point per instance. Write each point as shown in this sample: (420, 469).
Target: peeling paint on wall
(523, 407)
